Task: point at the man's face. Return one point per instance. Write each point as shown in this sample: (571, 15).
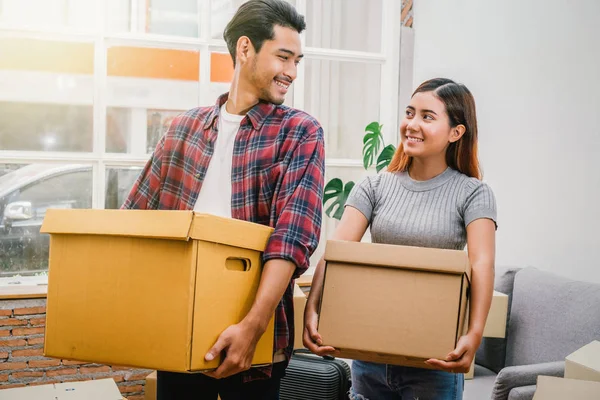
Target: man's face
(271, 71)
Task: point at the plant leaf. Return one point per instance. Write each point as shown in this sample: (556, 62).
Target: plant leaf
(336, 191)
(385, 157)
(372, 142)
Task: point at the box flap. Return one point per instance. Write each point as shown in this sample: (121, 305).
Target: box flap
(159, 224)
(395, 256)
(229, 231)
(101, 389)
(588, 356)
(553, 388)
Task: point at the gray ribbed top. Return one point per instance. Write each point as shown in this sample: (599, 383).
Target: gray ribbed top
(433, 213)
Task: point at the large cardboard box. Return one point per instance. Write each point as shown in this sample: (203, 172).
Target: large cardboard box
(299, 305)
(393, 304)
(149, 289)
(101, 389)
(553, 388)
(584, 363)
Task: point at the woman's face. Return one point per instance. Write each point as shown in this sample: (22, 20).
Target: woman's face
(425, 130)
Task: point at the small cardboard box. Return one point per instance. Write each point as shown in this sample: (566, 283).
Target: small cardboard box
(299, 305)
(101, 389)
(553, 388)
(150, 387)
(393, 304)
(495, 324)
(584, 363)
(149, 289)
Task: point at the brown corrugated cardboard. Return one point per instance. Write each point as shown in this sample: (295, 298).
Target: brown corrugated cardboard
(150, 387)
(393, 304)
(101, 389)
(553, 388)
(584, 363)
(299, 305)
(149, 289)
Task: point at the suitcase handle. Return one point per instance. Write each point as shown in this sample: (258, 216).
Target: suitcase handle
(306, 351)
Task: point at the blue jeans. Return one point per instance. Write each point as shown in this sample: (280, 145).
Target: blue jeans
(372, 381)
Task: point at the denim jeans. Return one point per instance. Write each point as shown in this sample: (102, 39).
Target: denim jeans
(372, 381)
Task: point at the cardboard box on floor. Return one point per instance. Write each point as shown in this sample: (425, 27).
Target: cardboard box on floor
(299, 305)
(101, 389)
(584, 363)
(553, 388)
(149, 289)
(393, 304)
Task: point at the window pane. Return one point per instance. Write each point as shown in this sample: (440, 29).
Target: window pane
(147, 88)
(344, 97)
(45, 127)
(119, 182)
(221, 13)
(46, 95)
(161, 17)
(344, 24)
(42, 14)
(25, 195)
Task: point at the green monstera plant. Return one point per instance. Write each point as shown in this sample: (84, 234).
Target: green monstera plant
(374, 151)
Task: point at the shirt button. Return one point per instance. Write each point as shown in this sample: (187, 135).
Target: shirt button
(197, 176)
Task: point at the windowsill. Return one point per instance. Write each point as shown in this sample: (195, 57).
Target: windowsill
(23, 292)
(23, 287)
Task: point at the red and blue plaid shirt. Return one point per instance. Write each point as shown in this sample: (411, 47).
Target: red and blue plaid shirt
(277, 180)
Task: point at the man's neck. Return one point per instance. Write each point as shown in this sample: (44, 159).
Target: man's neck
(241, 98)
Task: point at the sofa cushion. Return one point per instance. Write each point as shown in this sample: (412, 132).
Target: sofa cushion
(492, 351)
(522, 393)
(550, 317)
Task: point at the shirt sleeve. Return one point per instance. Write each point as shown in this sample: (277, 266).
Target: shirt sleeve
(480, 203)
(299, 205)
(362, 196)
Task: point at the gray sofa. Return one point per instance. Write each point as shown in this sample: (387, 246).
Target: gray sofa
(549, 318)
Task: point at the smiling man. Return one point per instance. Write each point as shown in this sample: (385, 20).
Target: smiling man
(251, 158)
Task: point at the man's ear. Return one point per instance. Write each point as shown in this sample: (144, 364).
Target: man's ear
(457, 132)
(244, 49)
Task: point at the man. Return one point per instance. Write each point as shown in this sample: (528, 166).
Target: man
(248, 157)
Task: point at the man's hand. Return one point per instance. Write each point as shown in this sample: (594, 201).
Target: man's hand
(238, 343)
(461, 358)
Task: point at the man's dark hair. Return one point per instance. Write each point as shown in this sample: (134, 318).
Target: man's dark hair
(256, 19)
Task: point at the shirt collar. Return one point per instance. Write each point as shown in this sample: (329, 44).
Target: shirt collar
(257, 114)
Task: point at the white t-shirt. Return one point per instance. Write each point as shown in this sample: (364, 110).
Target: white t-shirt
(215, 195)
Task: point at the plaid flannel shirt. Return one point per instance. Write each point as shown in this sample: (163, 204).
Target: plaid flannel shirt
(277, 180)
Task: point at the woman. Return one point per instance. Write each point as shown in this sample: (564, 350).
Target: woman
(430, 196)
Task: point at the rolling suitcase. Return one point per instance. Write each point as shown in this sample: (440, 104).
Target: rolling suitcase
(311, 377)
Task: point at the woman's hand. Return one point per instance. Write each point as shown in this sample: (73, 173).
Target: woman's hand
(461, 358)
(311, 338)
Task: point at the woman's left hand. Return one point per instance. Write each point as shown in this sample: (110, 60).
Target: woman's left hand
(461, 358)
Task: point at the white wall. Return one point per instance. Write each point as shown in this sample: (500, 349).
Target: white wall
(534, 68)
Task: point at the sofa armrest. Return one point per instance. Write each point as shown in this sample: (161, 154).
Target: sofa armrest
(522, 393)
(524, 375)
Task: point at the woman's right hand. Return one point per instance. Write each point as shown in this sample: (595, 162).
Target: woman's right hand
(311, 338)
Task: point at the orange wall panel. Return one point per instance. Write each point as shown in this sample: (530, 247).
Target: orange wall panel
(139, 62)
(221, 67)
